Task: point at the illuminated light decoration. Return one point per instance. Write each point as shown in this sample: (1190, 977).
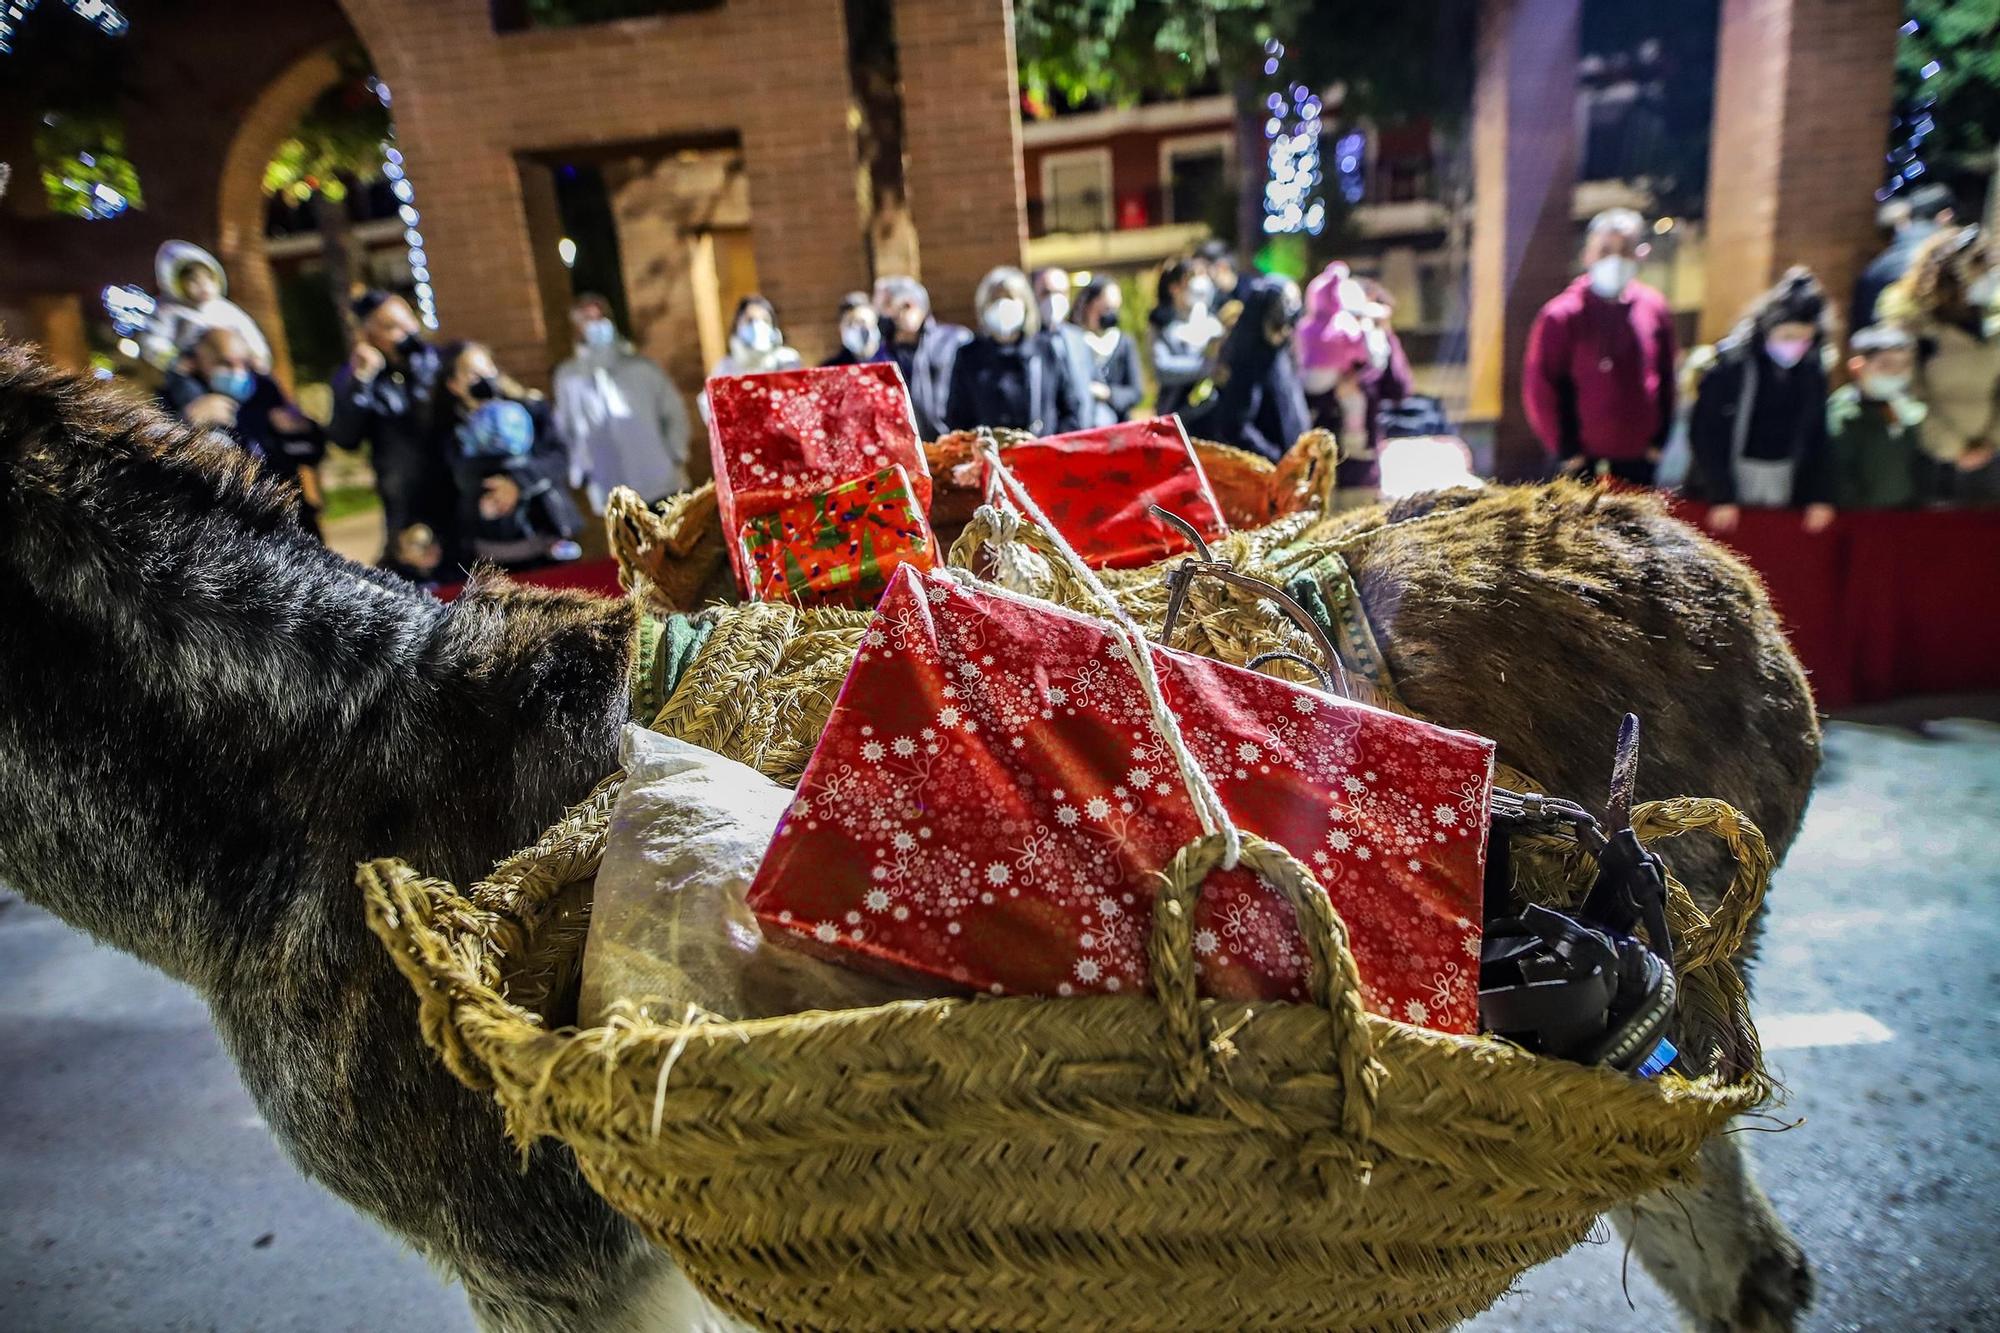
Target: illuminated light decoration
(566, 251)
(128, 347)
(1348, 155)
(131, 309)
(1916, 124)
(406, 209)
(102, 14)
(1292, 202)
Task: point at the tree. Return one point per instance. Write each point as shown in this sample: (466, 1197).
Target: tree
(1386, 59)
(1948, 91)
(336, 147)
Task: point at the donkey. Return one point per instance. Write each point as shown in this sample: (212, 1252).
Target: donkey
(157, 601)
(206, 720)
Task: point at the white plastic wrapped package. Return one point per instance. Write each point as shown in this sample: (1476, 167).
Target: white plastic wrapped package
(670, 926)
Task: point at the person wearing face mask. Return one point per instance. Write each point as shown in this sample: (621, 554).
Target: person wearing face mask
(756, 345)
(1873, 424)
(1115, 383)
(509, 465)
(382, 399)
(1758, 429)
(1052, 302)
(1597, 380)
(1184, 333)
(1258, 402)
(1950, 301)
(222, 389)
(860, 331)
(923, 347)
(1352, 363)
(1012, 374)
(193, 300)
(623, 419)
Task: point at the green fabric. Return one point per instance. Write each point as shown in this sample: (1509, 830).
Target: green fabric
(1327, 592)
(666, 648)
(1876, 459)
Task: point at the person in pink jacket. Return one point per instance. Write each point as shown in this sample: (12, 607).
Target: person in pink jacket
(1598, 378)
(1350, 362)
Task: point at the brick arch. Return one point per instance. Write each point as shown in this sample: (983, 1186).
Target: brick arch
(269, 121)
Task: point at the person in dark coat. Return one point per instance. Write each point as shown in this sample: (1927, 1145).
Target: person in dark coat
(1184, 330)
(1115, 383)
(509, 466)
(1012, 373)
(1258, 403)
(1758, 432)
(860, 332)
(923, 348)
(382, 398)
(221, 388)
(1914, 220)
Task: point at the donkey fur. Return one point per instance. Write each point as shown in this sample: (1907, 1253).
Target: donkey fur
(207, 720)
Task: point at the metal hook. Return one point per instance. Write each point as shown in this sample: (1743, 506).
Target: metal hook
(1181, 576)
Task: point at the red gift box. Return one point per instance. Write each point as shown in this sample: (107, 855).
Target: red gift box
(1096, 486)
(838, 548)
(790, 434)
(989, 802)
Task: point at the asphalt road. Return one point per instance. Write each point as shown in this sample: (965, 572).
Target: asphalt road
(140, 1191)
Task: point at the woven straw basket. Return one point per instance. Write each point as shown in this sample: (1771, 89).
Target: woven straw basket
(1141, 1162)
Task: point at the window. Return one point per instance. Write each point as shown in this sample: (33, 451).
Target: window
(1194, 172)
(1076, 190)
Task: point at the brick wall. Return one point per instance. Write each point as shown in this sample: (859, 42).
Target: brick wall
(962, 143)
(1802, 101)
(468, 102)
(1524, 168)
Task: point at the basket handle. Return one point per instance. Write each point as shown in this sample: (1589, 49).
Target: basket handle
(1335, 981)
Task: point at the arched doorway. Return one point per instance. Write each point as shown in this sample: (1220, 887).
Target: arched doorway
(240, 196)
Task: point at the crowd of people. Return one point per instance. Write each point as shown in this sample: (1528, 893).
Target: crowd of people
(1753, 422)
(471, 465)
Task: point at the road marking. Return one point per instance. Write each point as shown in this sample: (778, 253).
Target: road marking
(1835, 1027)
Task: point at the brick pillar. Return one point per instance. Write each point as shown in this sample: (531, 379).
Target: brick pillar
(962, 142)
(1524, 181)
(1803, 92)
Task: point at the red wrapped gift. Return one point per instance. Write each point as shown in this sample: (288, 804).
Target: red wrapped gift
(990, 801)
(838, 548)
(1096, 486)
(790, 434)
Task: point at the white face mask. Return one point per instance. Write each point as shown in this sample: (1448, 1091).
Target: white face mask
(1885, 388)
(1787, 352)
(1055, 309)
(1611, 275)
(1005, 317)
(860, 339)
(759, 335)
(599, 332)
(1201, 293)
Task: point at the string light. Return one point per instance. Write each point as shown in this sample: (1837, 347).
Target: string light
(131, 309)
(101, 14)
(1292, 202)
(1906, 163)
(406, 209)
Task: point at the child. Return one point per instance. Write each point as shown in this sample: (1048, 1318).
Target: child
(1872, 422)
(192, 302)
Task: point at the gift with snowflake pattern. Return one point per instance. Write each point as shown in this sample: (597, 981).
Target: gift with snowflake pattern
(784, 436)
(989, 805)
(838, 549)
(1097, 486)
